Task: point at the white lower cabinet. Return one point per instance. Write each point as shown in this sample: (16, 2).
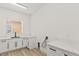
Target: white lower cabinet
(55, 51)
(25, 42)
(12, 44)
(68, 53)
(16, 43)
(3, 46)
(32, 43)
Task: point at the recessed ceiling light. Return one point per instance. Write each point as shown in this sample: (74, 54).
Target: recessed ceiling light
(19, 5)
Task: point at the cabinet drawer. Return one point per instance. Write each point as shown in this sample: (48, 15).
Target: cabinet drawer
(25, 43)
(4, 41)
(53, 51)
(68, 53)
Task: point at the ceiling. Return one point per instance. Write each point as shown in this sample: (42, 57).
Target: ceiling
(31, 7)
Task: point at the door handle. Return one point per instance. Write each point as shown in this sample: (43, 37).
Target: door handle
(15, 44)
(22, 42)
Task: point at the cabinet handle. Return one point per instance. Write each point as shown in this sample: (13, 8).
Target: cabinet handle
(15, 44)
(65, 55)
(52, 49)
(28, 43)
(8, 45)
(22, 42)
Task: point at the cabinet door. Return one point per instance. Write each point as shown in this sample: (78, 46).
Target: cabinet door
(51, 52)
(18, 43)
(68, 53)
(3, 46)
(32, 43)
(25, 42)
(15, 43)
(12, 44)
(54, 51)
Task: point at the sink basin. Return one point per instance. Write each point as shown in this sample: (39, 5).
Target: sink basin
(15, 37)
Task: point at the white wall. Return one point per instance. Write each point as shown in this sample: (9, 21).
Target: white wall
(60, 21)
(6, 14)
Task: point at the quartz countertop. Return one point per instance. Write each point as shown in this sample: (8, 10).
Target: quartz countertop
(4, 38)
(8, 38)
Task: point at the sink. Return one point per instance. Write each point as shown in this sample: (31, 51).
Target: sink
(15, 37)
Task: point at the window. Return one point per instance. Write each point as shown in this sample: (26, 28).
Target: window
(16, 26)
